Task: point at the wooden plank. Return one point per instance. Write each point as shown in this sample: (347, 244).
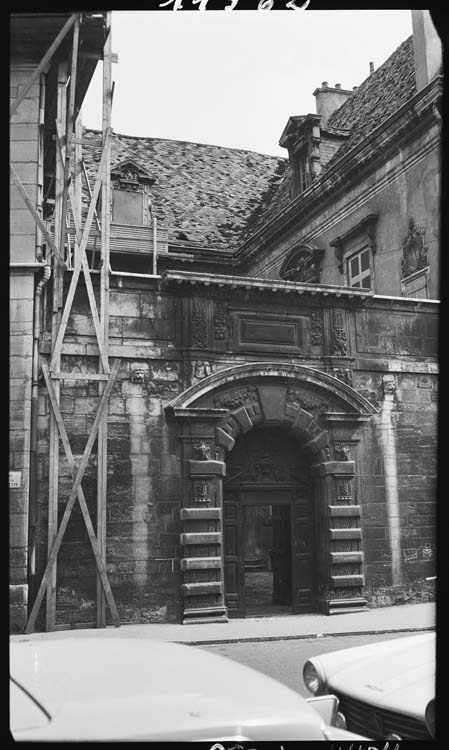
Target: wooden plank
(104, 309)
(90, 291)
(28, 202)
(84, 509)
(43, 63)
(78, 165)
(50, 604)
(73, 495)
(69, 128)
(79, 376)
(74, 281)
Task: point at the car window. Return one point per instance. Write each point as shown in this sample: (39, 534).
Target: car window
(24, 711)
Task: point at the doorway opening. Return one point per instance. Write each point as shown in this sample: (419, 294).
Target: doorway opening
(268, 527)
(267, 560)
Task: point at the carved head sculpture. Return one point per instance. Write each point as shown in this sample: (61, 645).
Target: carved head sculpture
(137, 375)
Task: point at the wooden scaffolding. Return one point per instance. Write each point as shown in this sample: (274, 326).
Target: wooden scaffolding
(72, 262)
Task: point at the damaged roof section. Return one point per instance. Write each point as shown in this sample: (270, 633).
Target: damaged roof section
(203, 194)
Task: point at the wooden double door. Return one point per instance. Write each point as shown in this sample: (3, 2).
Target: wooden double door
(269, 549)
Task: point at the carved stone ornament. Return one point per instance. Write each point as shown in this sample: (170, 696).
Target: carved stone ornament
(199, 325)
(342, 453)
(201, 495)
(339, 336)
(138, 375)
(298, 399)
(343, 490)
(266, 467)
(127, 175)
(202, 369)
(414, 251)
(204, 451)
(345, 375)
(388, 384)
(220, 322)
(236, 398)
(303, 264)
(316, 328)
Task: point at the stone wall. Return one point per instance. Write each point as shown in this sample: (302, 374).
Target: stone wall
(171, 338)
(403, 186)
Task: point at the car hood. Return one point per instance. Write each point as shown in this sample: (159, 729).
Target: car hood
(398, 675)
(104, 688)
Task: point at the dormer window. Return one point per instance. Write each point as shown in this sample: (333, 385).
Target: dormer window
(130, 194)
(301, 137)
(301, 172)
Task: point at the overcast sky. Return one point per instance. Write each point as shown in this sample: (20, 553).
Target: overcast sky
(234, 78)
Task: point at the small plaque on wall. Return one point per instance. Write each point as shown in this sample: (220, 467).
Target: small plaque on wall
(268, 333)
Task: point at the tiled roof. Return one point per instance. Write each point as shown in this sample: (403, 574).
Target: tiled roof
(217, 197)
(378, 97)
(203, 194)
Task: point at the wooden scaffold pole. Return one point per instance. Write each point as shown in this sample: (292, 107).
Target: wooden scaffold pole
(69, 194)
(104, 310)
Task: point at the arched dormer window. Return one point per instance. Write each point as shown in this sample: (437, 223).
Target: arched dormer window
(303, 264)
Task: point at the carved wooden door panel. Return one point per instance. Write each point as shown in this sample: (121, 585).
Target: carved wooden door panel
(234, 574)
(281, 560)
(303, 559)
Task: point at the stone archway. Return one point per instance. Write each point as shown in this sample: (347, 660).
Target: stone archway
(326, 415)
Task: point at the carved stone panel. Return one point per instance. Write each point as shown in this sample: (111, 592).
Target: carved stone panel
(200, 339)
(221, 322)
(339, 348)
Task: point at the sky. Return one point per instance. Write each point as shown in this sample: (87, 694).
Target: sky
(234, 78)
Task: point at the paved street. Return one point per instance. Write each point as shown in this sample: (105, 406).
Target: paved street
(284, 659)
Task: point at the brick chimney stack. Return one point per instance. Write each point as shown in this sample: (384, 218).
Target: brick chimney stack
(329, 99)
(427, 48)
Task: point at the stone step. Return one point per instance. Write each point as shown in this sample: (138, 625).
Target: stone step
(198, 589)
(336, 534)
(203, 514)
(348, 580)
(200, 563)
(207, 537)
(344, 510)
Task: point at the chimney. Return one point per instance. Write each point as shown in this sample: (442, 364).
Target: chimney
(427, 48)
(371, 68)
(329, 99)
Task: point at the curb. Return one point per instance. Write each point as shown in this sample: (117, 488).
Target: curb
(303, 637)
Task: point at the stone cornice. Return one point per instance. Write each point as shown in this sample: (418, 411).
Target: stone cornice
(172, 278)
(347, 168)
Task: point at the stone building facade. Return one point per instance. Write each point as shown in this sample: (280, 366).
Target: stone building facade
(275, 406)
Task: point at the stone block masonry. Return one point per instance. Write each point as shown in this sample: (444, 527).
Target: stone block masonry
(146, 476)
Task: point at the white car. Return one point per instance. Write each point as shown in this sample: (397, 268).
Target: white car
(102, 688)
(385, 690)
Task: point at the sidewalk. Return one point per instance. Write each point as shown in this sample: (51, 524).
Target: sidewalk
(406, 618)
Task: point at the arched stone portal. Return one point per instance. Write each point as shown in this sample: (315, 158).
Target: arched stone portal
(325, 415)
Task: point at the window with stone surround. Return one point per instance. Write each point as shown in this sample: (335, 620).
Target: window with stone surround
(358, 269)
(355, 251)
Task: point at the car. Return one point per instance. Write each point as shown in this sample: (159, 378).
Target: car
(99, 688)
(385, 690)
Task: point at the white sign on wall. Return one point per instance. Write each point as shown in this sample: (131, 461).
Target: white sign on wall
(15, 479)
